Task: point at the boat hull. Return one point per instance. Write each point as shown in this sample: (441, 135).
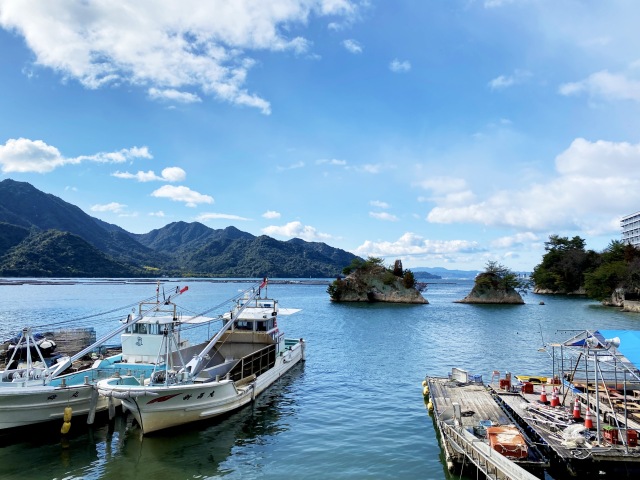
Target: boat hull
(27, 406)
(160, 407)
(27, 402)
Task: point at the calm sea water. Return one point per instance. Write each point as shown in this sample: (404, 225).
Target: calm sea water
(354, 410)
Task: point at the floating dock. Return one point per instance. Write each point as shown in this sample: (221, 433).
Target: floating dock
(566, 437)
(465, 413)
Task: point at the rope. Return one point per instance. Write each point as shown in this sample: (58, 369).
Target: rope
(81, 321)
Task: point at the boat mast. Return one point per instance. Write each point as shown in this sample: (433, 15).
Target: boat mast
(196, 364)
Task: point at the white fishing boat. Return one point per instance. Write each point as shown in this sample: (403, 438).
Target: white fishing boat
(36, 392)
(245, 357)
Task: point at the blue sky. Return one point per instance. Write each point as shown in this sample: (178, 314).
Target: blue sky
(443, 133)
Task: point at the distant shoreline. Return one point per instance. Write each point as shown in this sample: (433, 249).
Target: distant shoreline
(144, 281)
(136, 281)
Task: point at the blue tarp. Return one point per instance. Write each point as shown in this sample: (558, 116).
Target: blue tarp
(629, 343)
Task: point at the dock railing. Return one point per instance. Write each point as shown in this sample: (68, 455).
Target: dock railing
(494, 465)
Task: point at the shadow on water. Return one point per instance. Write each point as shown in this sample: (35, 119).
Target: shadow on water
(117, 450)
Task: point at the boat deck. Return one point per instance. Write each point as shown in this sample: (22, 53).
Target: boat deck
(581, 453)
(478, 410)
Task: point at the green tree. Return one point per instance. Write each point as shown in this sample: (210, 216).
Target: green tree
(601, 283)
(497, 276)
(563, 266)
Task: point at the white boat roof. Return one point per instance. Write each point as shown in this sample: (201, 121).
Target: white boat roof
(260, 313)
(164, 319)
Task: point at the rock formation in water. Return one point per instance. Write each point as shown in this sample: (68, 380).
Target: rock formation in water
(373, 282)
(490, 288)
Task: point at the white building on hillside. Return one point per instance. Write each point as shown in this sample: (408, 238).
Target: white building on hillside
(631, 229)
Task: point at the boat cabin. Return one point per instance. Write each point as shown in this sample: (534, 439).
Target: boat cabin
(144, 340)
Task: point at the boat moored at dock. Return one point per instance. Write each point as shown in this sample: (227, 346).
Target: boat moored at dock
(244, 358)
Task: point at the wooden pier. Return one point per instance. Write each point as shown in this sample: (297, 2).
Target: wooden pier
(462, 411)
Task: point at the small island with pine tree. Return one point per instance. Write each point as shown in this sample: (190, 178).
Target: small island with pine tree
(370, 281)
(497, 285)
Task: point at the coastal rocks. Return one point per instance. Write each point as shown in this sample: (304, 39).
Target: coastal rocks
(375, 283)
(488, 289)
(548, 291)
(616, 299)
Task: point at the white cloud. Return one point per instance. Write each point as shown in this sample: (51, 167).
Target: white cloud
(170, 174)
(386, 216)
(24, 155)
(219, 216)
(166, 47)
(603, 84)
(379, 204)
(594, 181)
(181, 194)
(113, 207)
(413, 244)
(159, 213)
(174, 174)
(398, 66)
(352, 46)
(504, 81)
(297, 230)
(271, 214)
(173, 95)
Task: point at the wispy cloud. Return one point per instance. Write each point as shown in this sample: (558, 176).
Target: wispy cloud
(200, 46)
(173, 95)
(182, 194)
(24, 155)
(352, 46)
(505, 81)
(332, 161)
(386, 216)
(379, 204)
(293, 166)
(604, 85)
(398, 66)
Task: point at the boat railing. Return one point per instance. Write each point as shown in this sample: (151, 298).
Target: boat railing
(486, 459)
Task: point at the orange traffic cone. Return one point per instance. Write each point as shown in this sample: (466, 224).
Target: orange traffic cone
(588, 423)
(554, 398)
(576, 410)
(543, 395)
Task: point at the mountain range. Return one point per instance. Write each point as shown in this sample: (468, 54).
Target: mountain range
(41, 235)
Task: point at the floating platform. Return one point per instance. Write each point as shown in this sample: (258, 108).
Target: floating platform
(574, 449)
(475, 429)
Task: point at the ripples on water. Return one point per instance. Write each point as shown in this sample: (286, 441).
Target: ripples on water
(353, 410)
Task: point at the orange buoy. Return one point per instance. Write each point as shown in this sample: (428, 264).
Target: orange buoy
(588, 422)
(554, 398)
(576, 410)
(543, 395)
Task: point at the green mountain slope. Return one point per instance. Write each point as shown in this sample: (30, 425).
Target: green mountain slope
(32, 244)
(60, 254)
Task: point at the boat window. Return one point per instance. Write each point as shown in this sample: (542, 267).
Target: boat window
(140, 328)
(262, 326)
(242, 325)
